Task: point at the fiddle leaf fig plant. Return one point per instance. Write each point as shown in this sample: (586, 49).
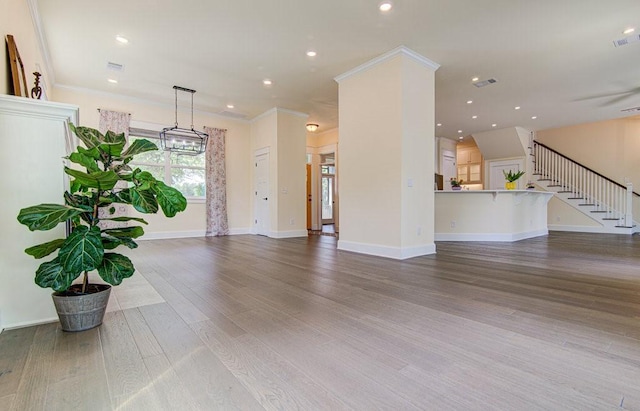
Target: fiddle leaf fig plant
(107, 180)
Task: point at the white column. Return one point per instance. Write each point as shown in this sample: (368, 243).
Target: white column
(387, 142)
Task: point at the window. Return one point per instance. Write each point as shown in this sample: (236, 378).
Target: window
(185, 173)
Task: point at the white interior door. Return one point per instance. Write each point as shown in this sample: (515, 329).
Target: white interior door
(449, 169)
(261, 200)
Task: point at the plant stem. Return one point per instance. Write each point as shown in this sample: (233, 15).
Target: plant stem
(85, 282)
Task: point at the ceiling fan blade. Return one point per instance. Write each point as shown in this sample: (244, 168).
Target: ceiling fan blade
(622, 94)
(617, 100)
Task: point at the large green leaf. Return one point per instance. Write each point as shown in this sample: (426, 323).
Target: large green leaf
(125, 232)
(102, 180)
(115, 267)
(139, 146)
(46, 216)
(113, 143)
(143, 200)
(82, 251)
(89, 136)
(87, 162)
(171, 200)
(140, 220)
(94, 153)
(44, 249)
(52, 275)
(109, 243)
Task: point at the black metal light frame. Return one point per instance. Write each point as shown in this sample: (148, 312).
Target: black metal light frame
(183, 141)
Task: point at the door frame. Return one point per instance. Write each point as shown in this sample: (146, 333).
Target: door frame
(261, 229)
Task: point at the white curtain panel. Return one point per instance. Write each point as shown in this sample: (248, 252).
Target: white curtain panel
(118, 123)
(216, 182)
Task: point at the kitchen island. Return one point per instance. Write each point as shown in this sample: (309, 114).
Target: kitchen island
(490, 215)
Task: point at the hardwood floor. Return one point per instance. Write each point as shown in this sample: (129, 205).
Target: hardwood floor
(251, 323)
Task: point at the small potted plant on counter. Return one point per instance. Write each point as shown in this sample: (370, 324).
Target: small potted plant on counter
(530, 186)
(456, 184)
(107, 180)
(511, 178)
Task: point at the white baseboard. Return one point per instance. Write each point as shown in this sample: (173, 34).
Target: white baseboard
(239, 231)
(592, 229)
(24, 324)
(397, 253)
(288, 234)
(504, 237)
(163, 235)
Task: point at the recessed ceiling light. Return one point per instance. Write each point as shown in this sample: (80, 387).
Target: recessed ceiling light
(461, 138)
(474, 117)
(517, 107)
(439, 124)
(112, 81)
(122, 40)
(475, 79)
(267, 82)
(385, 6)
(629, 30)
(469, 101)
(311, 53)
(230, 106)
(459, 131)
(494, 125)
(534, 117)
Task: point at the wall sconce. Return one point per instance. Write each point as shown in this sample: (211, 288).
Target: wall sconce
(312, 127)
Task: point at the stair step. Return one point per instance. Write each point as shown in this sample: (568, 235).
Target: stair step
(565, 192)
(575, 198)
(599, 211)
(587, 204)
(544, 179)
(623, 226)
(537, 174)
(610, 219)
(554, 185)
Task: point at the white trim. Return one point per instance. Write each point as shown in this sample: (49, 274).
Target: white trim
(276, 110)
(397, 253)
(504, 237)
(23, 324)
(163, 235)
(28, 107)
(42, 43)
(592, 229)
(260, 151)
(401, 50)
(147, 102)
(288, 234)
(240, 231)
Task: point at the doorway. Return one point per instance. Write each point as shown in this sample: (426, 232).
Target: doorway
(328, 205)
(261, 199)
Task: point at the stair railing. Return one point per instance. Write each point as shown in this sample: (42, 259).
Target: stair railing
(607, 197)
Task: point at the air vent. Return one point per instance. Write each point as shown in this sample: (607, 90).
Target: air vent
(627, 40)
(232, 114)
(115, 66)
(485, 82)
(631, 110)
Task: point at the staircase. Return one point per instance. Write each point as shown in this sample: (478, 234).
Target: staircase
(609, 203)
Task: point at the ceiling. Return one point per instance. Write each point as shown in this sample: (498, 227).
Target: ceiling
(554, 59)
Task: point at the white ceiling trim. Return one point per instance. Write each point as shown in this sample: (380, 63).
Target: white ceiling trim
(401, 50)
(42, 42)
(276, 110)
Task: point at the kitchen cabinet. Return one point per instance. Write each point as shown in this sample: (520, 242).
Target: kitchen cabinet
(469, 164)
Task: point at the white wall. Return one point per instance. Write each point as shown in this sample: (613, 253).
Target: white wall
(192, 220)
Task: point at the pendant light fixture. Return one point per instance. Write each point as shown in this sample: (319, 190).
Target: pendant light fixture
(182, 140)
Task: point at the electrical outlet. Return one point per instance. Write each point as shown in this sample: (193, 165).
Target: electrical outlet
(453, 224)
(419, 230)
(292, 221)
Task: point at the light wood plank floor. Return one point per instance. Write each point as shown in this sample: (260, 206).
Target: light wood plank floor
(252, 323)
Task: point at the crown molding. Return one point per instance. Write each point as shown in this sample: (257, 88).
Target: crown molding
(42, 42)
(401, 50)
(275, 110)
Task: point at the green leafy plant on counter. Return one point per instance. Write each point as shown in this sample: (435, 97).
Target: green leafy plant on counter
(511, 176)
